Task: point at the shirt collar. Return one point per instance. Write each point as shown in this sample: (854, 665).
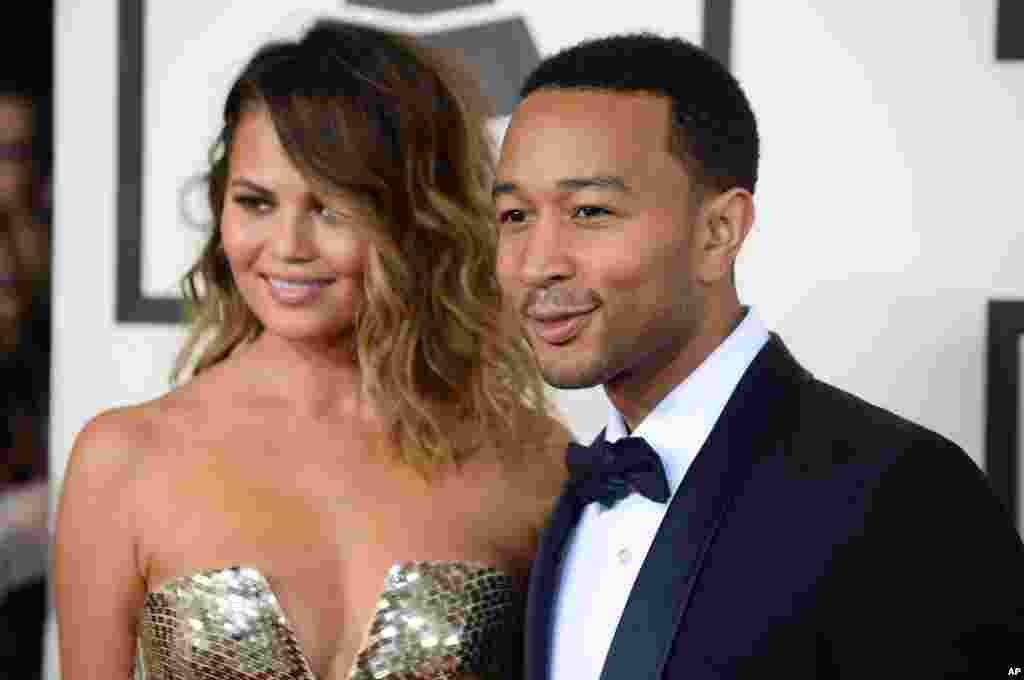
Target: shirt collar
(683, 419)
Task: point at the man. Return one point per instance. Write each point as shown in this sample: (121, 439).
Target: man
(786, 528)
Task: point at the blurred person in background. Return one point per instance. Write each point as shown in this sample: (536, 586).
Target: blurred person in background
(24, 371)
(353, 478)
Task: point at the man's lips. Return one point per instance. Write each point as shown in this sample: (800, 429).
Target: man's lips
(558, 327)
(549, 313)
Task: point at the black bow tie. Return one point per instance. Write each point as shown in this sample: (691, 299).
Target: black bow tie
(608, 472)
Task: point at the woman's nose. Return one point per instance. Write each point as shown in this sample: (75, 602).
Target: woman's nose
(293, 238)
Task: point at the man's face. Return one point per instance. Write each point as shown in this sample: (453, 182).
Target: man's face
(596, 250)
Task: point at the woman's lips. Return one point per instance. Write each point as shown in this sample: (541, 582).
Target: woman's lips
(560, 330)
(293, 292)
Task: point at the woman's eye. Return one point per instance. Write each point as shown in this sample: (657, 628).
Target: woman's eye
(511, 216)
(586, 211)
(329, 215)
(253, 203)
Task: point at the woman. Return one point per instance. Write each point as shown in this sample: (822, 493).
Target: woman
(352, 481)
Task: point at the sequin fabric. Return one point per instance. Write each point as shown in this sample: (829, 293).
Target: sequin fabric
(225, 624)
(441, 621)
(435, 620)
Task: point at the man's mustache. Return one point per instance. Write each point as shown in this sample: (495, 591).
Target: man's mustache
(558, 300)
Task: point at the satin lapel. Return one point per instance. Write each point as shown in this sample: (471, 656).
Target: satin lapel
(748, 427)
(543, 582)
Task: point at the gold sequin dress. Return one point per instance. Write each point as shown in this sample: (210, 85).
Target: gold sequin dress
(437, 620)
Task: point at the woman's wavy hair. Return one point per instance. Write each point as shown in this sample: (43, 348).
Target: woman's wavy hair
(365, 112)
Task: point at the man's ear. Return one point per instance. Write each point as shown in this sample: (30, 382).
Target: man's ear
(723, 222)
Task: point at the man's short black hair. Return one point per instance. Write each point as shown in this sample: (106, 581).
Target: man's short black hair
(714, 132)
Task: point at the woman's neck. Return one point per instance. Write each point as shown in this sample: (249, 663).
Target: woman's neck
(319, 378)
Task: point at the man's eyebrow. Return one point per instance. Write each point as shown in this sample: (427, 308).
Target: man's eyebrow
(600, 182)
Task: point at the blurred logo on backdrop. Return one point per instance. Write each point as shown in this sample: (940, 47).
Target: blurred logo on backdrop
(419, 6)
(500, 50)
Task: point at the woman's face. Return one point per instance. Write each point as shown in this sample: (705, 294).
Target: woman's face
(296, 253)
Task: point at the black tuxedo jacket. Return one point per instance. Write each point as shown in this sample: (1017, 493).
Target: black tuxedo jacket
(813, 536)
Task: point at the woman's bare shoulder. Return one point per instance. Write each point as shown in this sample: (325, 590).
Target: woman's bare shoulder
(115, 438)
(541, 468)
(108, 501)
(550, 451)
(534, 475)
(119, 441)
(100, 494)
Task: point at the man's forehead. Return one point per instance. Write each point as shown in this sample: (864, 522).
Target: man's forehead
(598, 120)
(577, 113)
(552, 143)
(566, 101)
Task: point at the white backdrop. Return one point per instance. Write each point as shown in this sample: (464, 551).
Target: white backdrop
(886, 213)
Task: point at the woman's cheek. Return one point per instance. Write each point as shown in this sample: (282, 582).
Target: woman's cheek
(349, 254)
(241, 241)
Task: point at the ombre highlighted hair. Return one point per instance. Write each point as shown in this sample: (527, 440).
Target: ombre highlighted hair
(371, 114)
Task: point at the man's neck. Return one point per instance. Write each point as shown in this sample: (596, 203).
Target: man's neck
(635, 394)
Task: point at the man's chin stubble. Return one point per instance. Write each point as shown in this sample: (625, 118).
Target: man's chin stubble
(574, 378)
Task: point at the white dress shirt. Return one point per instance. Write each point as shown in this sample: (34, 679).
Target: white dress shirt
(604, 552)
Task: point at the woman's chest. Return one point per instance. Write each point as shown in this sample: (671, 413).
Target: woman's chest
(432, 619)
(325, 536)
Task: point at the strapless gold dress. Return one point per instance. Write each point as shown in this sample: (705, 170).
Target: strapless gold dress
(435, 620)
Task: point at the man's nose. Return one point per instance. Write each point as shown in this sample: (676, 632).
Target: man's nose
(546, 254)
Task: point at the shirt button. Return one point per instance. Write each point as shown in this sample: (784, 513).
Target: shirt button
(624, 556)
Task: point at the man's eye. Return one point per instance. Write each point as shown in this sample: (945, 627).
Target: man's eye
(586, 211)
(253, 203)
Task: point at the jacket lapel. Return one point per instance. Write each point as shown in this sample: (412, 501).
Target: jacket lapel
(544, 581)
(749, 427)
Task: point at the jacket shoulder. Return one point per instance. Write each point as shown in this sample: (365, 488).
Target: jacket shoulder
(834, 416)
